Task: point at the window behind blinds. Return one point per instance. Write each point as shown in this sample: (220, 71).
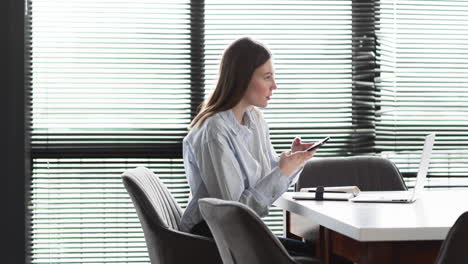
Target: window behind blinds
(111, 89)
(109, 75)
(80, 212)
(423, 57)
(311, 46)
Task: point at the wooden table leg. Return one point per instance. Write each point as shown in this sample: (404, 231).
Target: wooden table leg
(323, 245)
(287, 221)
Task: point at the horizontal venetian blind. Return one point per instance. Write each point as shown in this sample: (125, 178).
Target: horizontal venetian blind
(423, 57)
(109, 75)
(113, 80)
(311, 46)
(81, 213)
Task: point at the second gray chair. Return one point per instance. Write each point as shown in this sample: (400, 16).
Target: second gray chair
(241, 235)
(369, 173)
(454, 248)
(159, 215)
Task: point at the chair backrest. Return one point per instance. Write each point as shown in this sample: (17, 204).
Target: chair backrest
(454, 249)
(240, 234)
(369, 173)
(152, 197)
(159, 216)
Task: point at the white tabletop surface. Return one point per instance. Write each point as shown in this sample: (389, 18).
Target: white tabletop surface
(428, 218)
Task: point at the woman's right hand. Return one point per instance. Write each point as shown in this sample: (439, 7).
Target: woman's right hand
(291, 162)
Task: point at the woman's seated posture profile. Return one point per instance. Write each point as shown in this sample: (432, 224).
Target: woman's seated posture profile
(228, 153)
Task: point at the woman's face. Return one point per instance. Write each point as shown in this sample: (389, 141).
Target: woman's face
(261, 86)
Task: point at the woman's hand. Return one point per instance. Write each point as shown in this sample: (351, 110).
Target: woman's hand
(290, 162)
(297, 145)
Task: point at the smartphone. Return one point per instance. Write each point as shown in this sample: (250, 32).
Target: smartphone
(318, 144)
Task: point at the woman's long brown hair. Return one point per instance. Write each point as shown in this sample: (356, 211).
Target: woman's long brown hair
(238, 64)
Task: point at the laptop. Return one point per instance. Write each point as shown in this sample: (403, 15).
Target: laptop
(403, 196)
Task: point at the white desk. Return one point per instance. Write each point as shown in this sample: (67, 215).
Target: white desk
(385, 227)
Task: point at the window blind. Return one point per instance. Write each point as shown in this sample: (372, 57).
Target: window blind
(109, 75)
(112, 88)
(423, 86)
(311, 46)
(312, 54)
(80, 212)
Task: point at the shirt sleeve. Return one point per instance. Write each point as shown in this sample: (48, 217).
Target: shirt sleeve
(275, 158)
(221, 173)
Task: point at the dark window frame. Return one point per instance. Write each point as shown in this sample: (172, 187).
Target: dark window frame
(14, 135)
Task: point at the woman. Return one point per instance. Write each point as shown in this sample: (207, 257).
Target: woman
(228, 153)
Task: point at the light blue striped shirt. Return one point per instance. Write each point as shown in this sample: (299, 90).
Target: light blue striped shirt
(230, 161)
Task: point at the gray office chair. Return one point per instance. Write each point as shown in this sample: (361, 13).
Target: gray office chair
(369, 173)
(241, 235)
(454, 249)
(159, 216)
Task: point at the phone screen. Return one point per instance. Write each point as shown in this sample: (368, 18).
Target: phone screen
(318, 144)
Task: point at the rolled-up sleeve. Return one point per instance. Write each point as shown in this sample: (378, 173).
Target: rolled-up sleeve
(222, 175)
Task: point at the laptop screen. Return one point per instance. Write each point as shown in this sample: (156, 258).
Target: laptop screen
(424, 165)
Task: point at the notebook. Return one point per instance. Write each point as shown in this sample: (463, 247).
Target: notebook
(403, 196)
(330, 193)
(327, 196)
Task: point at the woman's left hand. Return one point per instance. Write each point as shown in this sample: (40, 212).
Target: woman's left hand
(297, 145)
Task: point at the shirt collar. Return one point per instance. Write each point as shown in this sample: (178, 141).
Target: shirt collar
(235, 126)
